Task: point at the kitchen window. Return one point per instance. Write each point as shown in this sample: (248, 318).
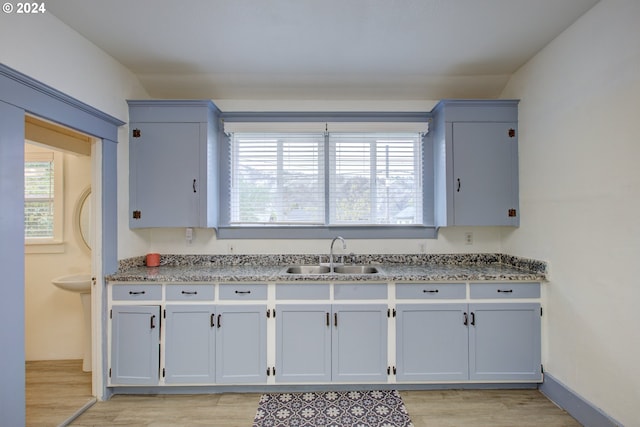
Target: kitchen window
(295, 180)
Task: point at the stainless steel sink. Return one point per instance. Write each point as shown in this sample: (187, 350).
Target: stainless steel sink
(308, 269)
(355, 269)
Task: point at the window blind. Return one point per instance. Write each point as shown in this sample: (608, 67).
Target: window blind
(39, 197)
(375, 178)
(277, 178)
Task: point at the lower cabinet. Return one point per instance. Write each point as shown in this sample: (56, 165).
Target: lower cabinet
(241, 344)
(190, 344)
(479, 341)
(324, 342)
(135, 344)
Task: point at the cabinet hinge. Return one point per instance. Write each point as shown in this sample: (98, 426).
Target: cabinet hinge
(541, 369)
(511, 133)
(109, 372)
(137, 214)
(512, 213)
(136, 133)
(110, 314)
(540, 311)
(164, 313)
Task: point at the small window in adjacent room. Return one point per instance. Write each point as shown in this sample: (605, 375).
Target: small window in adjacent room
(43, 196)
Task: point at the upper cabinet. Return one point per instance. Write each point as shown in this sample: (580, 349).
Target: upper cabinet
(173, 163)
(476, 162)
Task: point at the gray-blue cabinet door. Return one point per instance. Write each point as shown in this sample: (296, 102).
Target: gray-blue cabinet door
(135, 345)
(165, 175)
(485, 172)
(303, 342)
(432, 342)
(241, 344)
(504, 341)
(359, 342)
(190, 344)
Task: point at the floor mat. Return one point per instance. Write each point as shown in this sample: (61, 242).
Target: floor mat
(379, 408)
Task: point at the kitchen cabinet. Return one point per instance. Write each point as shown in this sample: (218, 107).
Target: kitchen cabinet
(241, 344)
(189, 344)
(303, 343)
(135, 344)
(173, 155)
(478, 341)
(359, 342)
(324, 342)
(319, 341)
(504, 342)
(476, 163)
(432, 342)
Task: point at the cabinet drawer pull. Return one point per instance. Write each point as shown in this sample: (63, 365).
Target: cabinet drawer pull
(466, 319)
(328, 321)
(189, 292)
(213, 320)
(458, 189)
(194, 186)
(505, 291)
(335, 319)
(430, 291)
(136, 292)
(473, 319)
(219, 322)
(243, 292)
(153, 323)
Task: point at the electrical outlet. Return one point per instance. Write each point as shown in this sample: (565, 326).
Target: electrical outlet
(468, 238)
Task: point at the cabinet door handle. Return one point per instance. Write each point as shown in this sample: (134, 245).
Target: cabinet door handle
(328, 321)
(458, 190)
(473, 319)
(194, 186)
(189, 292)
(430, 291)
(335, 319)
(466, 319)
(219, 322)
(213, 320)
(153, 323)
(136, 292)
(505, 291)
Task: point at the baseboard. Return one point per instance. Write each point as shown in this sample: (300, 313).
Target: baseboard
(580, 409)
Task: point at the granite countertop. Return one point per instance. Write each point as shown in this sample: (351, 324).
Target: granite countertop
(272, 268)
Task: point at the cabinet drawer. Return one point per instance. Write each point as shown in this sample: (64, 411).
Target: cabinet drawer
(431, 291)
(311, 291)
(190, 292)
(360, 291)
(142, 292)
(243, 292)
(505, 290)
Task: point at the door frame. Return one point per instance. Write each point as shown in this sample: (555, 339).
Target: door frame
(28, 95)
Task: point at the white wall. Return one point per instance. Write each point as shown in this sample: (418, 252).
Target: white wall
(580, 198)
(54, 325)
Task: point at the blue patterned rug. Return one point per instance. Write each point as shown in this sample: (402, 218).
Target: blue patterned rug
(332, 409)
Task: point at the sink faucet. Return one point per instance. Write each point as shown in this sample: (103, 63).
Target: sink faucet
(344, 246)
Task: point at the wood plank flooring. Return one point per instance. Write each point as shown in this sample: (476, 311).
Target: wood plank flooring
(54, 391)
(446, 408)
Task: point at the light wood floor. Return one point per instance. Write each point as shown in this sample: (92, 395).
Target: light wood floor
(54, 391)
(478, 408)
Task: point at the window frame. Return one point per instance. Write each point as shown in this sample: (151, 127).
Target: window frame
(55, 243)
(227, 230)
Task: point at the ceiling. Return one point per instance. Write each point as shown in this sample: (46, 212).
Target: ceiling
(321, 49)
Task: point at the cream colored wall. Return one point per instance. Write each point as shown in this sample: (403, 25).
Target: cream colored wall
(580, 198)
(53, 317)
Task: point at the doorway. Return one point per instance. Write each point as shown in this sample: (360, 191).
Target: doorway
(59, 232)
